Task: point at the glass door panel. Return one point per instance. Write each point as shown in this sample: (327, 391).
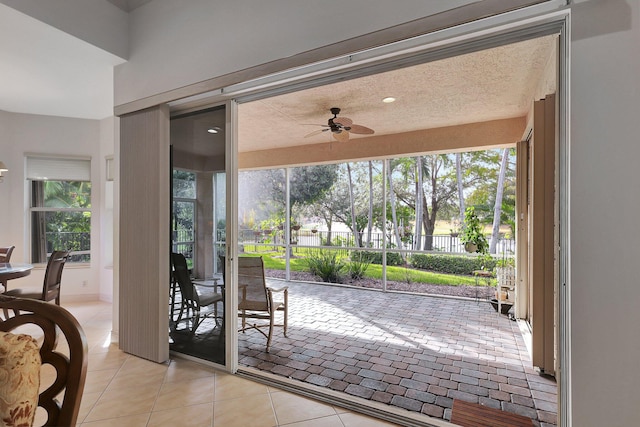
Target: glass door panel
(197, 299)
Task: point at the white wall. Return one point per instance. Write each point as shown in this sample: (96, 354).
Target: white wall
(605, 201)
(97, 22)
(108, 138)
(26, 133)
(5, 194)
(173, 46)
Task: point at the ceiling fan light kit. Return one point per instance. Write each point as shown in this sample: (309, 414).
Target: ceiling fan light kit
(341, 127)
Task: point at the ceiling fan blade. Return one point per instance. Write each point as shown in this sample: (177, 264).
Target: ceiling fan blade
(363, 130)
(316, 132)
(344, 121)
(342, 136)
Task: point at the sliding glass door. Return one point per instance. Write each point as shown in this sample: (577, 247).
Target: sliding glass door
(197, 289)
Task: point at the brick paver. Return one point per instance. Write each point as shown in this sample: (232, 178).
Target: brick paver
(411, 351)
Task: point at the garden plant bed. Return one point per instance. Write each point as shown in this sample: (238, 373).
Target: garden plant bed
(483, 292)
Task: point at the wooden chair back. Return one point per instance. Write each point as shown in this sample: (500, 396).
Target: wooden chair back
(70, 370)
(5, 253)
(53, 276)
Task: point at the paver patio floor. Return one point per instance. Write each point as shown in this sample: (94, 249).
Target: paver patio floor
(411, 351)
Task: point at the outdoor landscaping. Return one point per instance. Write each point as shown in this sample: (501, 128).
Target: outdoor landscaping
(420, 224)
(425, 273)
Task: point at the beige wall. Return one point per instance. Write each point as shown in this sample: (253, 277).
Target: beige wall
(497, 133)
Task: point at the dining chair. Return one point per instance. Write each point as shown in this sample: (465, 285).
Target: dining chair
(55, 338)
(5, 253)
(5, 256)
(255, 298)
(52, 279)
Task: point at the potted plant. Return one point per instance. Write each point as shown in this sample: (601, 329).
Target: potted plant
(455, 231)
(472, 236)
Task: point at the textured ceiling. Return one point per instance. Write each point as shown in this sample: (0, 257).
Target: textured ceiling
(486, 85)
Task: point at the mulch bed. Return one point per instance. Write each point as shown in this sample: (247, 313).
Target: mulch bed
(483, 292)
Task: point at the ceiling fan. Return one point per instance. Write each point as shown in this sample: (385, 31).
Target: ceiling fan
(341, 127)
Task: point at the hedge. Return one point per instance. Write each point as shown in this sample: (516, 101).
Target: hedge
(452, 264)
(393, 258)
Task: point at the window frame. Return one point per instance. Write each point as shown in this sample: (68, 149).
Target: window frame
(35, 209)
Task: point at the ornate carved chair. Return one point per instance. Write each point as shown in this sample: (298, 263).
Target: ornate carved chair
(29, 332)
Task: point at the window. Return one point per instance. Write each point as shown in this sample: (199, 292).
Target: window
(184, 214)
(60, 207)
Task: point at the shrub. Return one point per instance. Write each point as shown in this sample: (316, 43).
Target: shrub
(452, 264)
(393, 258)
(360, 261)
(326, 265)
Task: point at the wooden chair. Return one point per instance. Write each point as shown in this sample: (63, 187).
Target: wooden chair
(70, 370)
(255, 299)
(5, 256)
(193, 306)
(5, 253)
(52, 279)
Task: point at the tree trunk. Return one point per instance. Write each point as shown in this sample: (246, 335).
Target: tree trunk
(354, 225)
(392, 201)
(429, 215)
(428, 226)
(417, 242)
(460, 189)
(329, 221)
(497, 209)
(370, 218)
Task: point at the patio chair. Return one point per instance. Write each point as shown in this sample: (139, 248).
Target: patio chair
(193, 306)
(52, 279)
(255, 299)
(5, 256)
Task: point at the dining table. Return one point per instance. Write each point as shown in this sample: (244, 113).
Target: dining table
(12, 270)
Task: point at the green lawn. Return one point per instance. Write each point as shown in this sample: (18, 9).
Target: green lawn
(276, 261)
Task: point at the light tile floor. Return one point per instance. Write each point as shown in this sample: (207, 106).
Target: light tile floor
(123, 390)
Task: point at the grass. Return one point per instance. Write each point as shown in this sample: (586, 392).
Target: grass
(275, 261)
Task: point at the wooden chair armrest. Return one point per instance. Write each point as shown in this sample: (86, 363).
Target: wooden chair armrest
(285, 292)
(242, 293)
(284, 289)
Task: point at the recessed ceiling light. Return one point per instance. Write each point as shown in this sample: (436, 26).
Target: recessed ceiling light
(388, 100)
(214, 129)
